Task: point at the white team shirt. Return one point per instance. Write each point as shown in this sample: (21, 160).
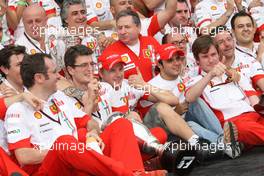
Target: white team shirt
(247, 65)
(257, 13)
(3, 139)
(229, 98)
(32, 46)
(209, 11)
(101, 9)
(126, 97)
(24, 123)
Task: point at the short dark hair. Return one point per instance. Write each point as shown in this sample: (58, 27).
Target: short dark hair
(7, 52)
(31, 65)
(73, 52)
(128, 12)
(165, 38)
(202, 45)
(240, 14)
(183, 1)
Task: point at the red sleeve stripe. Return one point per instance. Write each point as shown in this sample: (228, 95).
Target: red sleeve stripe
(25, 143)
(154, 26)
(51, 11)
(3, 108)
(82, 122)
(256, 78)
(92, 20)
(207, 19)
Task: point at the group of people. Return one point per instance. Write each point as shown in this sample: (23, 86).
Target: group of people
(79, 76)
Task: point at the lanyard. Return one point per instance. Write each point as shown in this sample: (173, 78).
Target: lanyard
(93, 114)
(30, 41)
(49, 117)
(245, 52)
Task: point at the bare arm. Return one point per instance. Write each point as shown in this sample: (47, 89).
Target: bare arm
(103, 25)
(197, 89)
(222, 20)
(30, 156)
(152, 4)
(166, 15)
(155, 94)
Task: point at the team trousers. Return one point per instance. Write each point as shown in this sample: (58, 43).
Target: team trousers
(121, 154)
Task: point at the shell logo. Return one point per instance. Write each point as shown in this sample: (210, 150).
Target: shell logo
(213, 8)
(98, 5)
(124, 58)
(78, 105)
(37, 115)
(114, 35)
(33, 51)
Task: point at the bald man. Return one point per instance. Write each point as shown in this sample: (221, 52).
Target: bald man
(35, 20)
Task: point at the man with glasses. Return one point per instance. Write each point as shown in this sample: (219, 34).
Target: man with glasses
(47, 142)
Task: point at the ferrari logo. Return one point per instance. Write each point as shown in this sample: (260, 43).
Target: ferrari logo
(181, 87)
(147, 53)
(33, 51)
(91, 45)
(54, 109)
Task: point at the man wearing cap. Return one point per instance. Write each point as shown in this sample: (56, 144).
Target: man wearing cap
(127, 93)
(44, 142)
(170, 66)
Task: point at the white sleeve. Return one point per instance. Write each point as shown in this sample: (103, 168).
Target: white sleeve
(90, 14)
(202, 17)
(16, 123)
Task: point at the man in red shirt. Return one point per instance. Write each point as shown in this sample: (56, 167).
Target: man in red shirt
(135, 50)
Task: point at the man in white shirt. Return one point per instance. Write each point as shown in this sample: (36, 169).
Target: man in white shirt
(212, 13)
(171, 64)
(244, 63)
(35, 20)
(46, 141)
(225, 96)
(244, 28)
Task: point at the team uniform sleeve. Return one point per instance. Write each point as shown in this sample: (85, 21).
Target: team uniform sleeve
(256, 71)
(48, 7)
(154, 26)
(246, 86)
(202, 17)
(90, 14)
(191, 83)
(12, 4)
(18, 133)
(3, 108)
(75, 109)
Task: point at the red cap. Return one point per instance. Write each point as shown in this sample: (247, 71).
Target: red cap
(166, 51)
(109, 61)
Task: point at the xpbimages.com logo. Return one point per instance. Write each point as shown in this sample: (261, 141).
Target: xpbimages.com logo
(79, 147)
(212, 147)
(62, 31)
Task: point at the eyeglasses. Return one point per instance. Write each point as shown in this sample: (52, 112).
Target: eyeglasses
(83, 65)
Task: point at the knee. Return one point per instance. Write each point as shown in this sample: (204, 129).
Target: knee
(122, 123)
(162, 107)
(66, 139)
